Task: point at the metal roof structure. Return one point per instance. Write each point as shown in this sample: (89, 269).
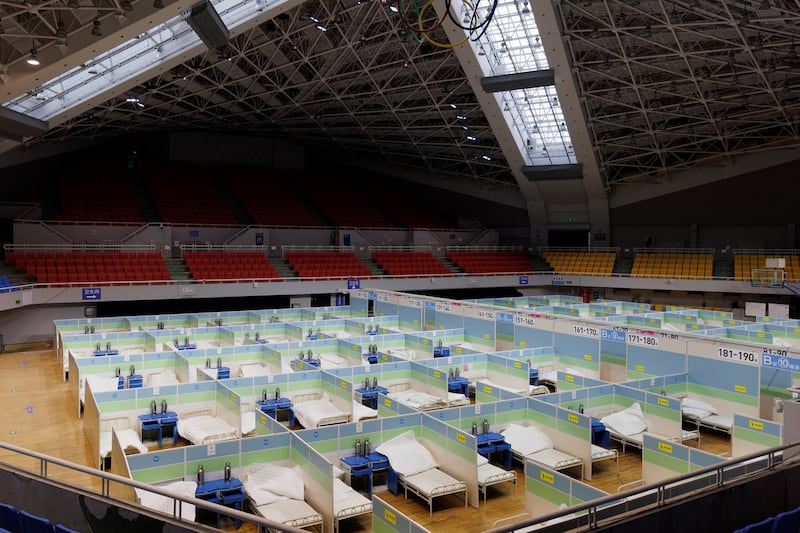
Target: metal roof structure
(644, 96)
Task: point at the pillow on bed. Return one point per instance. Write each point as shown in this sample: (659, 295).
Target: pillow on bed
(526, 440)
(629, 421)
(406, 455)
(698, 408)
(281, 480)
(161, 379)
(482, 460)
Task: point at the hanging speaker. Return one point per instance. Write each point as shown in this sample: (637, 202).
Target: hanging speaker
(207, 24)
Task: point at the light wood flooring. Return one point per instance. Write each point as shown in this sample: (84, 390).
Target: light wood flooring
(38, 415)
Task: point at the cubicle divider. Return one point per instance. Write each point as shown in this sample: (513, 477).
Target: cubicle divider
(77, 326)
(387, 519)
(751, 434)
(317, 478)
(533, 329)
(423, 342)
(649, 354)
(328, 312)
(491, 369)
(409, 312)
(340, 391)
(674, 385)
(455, 452)
(577, 345)
(273, 333)
(725, 374)
(662, 413)
(109, 343)
(663, 459)
(83, 368)
(228, 318)
(480, 327)
(162, 322)
(568, 430)
(547, 491)
(488, 393)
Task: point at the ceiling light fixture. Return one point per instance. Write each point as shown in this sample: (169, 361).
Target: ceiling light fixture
(320, 27)
(394, 8)
(97, 31)
(32, 59)
(486, 158)
(126, 5)
(158, 4)
(61, 31)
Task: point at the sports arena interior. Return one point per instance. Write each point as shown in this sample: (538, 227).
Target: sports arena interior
(596, 197)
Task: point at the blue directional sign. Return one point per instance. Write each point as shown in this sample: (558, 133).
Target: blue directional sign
(612, 335)
(780, 362)
(353, 284)
(90, 293)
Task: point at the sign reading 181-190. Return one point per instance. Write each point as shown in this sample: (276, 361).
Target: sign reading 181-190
(739, 355)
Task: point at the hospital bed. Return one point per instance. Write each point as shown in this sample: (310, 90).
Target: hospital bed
(489, 474)
(422, 401)
(705, 415)
(277, 493)
(167, 505)
(628, 427)
(202, 427)
(316, 409)
(417, 471)
(128, 438)
(528, 442)
(252, 370)
(348, 503)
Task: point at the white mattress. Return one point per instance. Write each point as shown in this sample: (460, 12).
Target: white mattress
(554, 459)
(489, 474)
(128, 439)
(434, 482)
(290, 512)
(328, 361)
(253, 370)
(248, 422)
(161, 379)
(349, 502)
(206, 429)
(718, 421)
(599, 453)
(318, 412)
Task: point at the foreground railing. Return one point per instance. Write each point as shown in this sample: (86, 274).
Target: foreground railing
(615, 507)
(106, 481)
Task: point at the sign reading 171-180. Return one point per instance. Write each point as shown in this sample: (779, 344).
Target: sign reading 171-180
(739, 355)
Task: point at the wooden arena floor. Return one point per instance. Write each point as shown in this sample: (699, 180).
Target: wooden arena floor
(38, 415)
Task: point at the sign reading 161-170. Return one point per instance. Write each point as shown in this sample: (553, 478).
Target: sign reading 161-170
(586, 331)
(739, 355)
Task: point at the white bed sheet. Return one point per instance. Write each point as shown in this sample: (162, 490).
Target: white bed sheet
(319, 412)
(362, 412)
(489, 474)
(99, 384)
(435, 482)
(252, 370)
(128, 439)
(161, 379)
(328, 361)
(348, 502)
(418, 400)
(165, 504)
(206, 429)
(295, 513)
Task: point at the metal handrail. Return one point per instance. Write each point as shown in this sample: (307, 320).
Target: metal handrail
(659, 488)
(106, 478)
(674, 250)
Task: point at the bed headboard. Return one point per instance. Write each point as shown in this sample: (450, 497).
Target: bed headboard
(119, 422)
(192, 412)
(398, 387)
(309, 397)
(543, 369)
